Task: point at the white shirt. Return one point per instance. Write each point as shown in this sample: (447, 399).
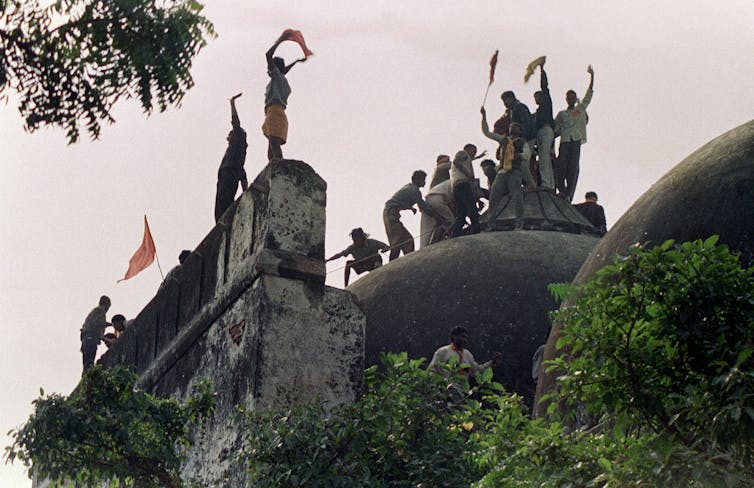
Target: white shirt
(571, 122)
(444, 354)
(461, 163)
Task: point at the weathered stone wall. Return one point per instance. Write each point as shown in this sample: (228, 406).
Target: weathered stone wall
(249, 311)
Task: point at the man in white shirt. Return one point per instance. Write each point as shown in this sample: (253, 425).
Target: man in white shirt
(462, 179)
(467, 366)
(570, 125)
(439, 198)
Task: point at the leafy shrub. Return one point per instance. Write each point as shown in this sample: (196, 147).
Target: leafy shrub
(107, 430)
(662, 341)
(408, 429)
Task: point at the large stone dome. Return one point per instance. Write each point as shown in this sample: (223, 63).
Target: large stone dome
(710, 192)
(494, 283)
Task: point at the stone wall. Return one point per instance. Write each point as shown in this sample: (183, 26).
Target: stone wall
(249, 311)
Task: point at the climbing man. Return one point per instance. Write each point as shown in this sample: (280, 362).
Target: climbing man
(93, 330)
(275, 126)
(398, 236)
(366, 253)
(231, 168)
(440, 198)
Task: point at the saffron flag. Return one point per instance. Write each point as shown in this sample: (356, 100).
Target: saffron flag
(540, 61)
(493, 65)
(297, 37)
(143, 257)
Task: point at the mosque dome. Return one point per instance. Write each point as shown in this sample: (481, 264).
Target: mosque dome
(711, 192)
(493, 283)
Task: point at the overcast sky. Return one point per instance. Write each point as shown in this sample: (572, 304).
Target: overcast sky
(392, 84)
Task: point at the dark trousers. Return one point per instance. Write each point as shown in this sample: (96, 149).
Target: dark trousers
(567, 168)
(227, 184)
(89, 350)
(465, 207)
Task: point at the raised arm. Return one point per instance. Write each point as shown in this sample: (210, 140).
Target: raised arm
(588, 96)
(234, 120)
(543, 84)
(271, 51)
(244, 180)
(486, 128)
(480, 155)
(590, 70)
(288, 68)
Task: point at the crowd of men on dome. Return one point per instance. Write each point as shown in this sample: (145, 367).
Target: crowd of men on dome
(526, 163)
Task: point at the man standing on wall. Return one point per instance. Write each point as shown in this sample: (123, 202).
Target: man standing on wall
(93, 330)
(570, 125)
(231, 168)
(275, 126)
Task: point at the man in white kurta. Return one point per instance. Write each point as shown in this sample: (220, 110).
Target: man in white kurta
(439, 198)
(467, 365)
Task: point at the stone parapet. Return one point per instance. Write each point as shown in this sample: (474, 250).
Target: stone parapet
(249, 311)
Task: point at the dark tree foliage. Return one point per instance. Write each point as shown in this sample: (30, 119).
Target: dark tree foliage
(663, 340)
(407, 430)
(107, 430)
(71, 60)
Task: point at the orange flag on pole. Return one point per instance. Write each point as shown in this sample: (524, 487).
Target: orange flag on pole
(493, 65)
(143, 257)
(297, 37)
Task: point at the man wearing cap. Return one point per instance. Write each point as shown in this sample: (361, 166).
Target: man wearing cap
(366, 253)
(593, 212)
(93, 330)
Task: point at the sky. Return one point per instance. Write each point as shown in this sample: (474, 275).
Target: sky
(392, 84)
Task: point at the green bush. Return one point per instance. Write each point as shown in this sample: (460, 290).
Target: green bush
(408, 429)
(109, 431)
(660, 355)
(661, 341)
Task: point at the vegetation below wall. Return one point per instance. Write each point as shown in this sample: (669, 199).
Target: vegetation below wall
(660, 360)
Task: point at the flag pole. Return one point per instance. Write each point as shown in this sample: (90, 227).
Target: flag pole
(157, 257)
(158, 264)
(485, 94)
